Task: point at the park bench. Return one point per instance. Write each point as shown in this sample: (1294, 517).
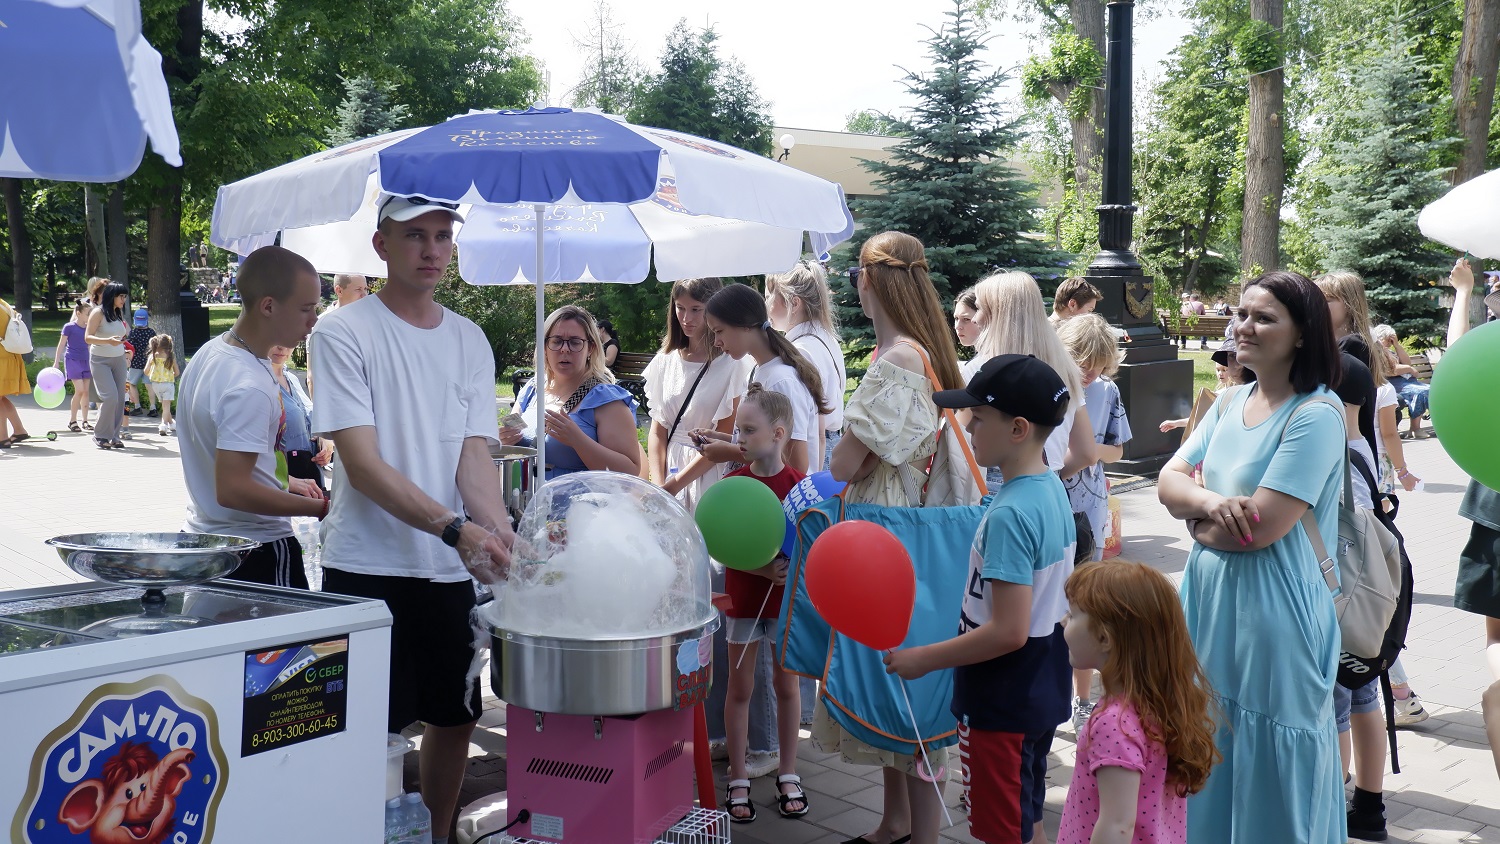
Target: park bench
(1422, 363)
(629, 369)
(1205, 328)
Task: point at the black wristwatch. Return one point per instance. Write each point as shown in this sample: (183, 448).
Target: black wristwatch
(452, 531)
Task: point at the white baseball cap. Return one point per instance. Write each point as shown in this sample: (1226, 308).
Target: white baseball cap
(403, 208)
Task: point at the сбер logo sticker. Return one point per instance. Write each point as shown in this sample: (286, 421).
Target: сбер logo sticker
(137, 763)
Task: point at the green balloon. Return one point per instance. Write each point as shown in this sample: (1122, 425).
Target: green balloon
(742, 522)
(52, 399)
(1465, 403)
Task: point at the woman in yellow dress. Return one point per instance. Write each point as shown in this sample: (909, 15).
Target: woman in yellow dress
(13, 382)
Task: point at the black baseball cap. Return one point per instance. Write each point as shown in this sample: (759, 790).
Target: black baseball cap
(1019, 385)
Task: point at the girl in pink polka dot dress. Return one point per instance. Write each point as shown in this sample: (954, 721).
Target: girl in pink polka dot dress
(1150, 741)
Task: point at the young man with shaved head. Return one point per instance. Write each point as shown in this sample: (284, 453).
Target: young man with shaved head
(230, 415)
(406, 388)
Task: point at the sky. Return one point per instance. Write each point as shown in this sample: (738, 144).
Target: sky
(814, 61)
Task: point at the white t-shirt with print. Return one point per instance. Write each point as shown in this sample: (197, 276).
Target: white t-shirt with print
(228, 401)
(424, 391)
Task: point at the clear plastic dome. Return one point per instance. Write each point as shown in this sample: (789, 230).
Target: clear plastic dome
(603, 555)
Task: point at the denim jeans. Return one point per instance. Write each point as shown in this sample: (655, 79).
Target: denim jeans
(1413, 394)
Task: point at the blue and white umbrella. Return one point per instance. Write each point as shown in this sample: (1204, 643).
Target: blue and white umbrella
(584, 195)
(80, 91)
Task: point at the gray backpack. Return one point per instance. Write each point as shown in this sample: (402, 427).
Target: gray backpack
(1367, 584)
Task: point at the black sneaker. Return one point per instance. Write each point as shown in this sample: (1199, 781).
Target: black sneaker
(155, 411)
(1367, 816)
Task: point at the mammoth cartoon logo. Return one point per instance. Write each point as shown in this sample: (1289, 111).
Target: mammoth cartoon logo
(135, 801)
(138, 763)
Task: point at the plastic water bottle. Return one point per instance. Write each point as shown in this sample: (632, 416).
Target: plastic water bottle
(416, 820)
(394, 828)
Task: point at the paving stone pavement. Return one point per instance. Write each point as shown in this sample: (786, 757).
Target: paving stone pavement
(1447, 791)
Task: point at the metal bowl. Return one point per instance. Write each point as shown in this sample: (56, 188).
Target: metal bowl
(593, 677)
(151, 560)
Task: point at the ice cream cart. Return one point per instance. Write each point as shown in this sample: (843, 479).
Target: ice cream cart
(199, 711)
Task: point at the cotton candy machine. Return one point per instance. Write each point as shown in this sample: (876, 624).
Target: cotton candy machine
(601, 649)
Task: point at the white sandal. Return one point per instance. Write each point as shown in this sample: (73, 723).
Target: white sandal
(797, 795)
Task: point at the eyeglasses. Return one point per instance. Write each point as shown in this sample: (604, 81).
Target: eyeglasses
(572, 344)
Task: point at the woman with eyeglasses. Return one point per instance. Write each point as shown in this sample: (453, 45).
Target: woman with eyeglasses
(590, 420)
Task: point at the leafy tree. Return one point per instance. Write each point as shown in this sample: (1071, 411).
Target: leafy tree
(365, 112)
(1187, 163)
(1378, 176)
(700, 92)
(868, 121)
(947, 181)
(610, 73)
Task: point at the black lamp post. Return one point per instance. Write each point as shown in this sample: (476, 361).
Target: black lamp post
(1154, 383)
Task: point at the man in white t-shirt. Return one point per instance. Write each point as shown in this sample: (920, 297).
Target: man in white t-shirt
(230, 415)
(406, 389)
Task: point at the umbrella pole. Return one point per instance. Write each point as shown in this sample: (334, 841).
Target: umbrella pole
(540, 400)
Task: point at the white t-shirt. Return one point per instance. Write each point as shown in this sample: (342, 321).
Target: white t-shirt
(228, 401)
(777, 376)
(822, 350)
(1385, 396)
(1055, 449)
(424, 391)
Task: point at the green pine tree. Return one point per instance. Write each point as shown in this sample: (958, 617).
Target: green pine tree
(1379, 173)
(365, 112)
(948, 182)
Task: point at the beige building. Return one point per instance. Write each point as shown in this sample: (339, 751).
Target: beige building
(836, 156)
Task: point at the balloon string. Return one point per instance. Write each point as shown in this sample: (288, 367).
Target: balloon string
(922, 746)
(763, 602)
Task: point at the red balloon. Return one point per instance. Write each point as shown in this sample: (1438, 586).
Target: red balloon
(860, 579)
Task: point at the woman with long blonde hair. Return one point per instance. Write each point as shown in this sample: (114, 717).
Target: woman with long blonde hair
(801, 307)
(590, 420)
(891, 428)
(1150, 742)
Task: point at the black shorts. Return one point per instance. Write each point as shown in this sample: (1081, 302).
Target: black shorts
(1478, 586)
(432, 646)
(277, 563)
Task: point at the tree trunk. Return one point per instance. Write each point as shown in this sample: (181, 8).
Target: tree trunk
(1474, 85)
(1265, 164)
(20, 249)
(182, 64)
(49, 293)
(114, 235)
(96, 256)
(164, 259)
(1088, 130)
(1209, 202)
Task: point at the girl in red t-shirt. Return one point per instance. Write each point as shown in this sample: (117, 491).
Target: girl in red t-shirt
(764, 421)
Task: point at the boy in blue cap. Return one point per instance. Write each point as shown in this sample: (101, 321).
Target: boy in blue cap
(135, 378)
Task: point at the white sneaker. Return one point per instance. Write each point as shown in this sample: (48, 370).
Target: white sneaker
(1082, 709)
(1410, 711)
(718, 750)
(759, 763)
(161, 430)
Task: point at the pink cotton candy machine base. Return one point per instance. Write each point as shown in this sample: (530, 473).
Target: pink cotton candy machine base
(598, 780)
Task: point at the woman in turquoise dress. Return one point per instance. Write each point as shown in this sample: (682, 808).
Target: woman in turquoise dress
(589, 419)
(1258, 607)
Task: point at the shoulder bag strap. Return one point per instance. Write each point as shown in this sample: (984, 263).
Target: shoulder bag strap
(685, 402)
(1327, 565)
(963, 442)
